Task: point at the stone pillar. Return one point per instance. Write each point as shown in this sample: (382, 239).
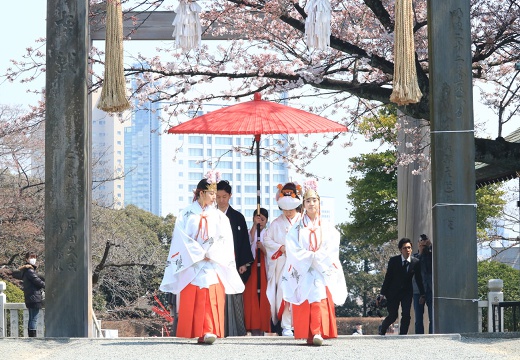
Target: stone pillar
(67, 172)
(3, 301)
(495, 295)
(414, 196)
(453, 167)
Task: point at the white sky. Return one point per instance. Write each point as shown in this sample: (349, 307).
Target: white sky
(24, 21)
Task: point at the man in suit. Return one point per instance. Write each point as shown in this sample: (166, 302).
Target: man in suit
(397, 286)
(235, 324)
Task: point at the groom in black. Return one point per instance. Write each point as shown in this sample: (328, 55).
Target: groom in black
(397, 286)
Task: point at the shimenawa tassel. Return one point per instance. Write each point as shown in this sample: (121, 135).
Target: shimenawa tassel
(317, 24)
(113, 96)
(405, 85)
(188, 30)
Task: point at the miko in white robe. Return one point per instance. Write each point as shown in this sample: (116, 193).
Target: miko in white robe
(201, 253)
(273, 241)
(313, 271)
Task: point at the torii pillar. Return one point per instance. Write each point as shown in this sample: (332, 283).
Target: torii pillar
(453, 167)
(68, 303)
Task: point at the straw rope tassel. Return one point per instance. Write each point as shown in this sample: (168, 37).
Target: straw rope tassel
(113, 96)
(188, 30)
(406, 88)
(317, 24)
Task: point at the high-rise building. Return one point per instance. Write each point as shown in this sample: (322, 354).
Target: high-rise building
(142, 158)
(107, 156)
(190, 157)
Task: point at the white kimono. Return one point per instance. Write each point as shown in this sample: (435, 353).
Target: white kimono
(273, 240)
(307, 273)
(197, 235)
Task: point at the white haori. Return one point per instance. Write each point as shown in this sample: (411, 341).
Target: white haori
(273, 240)
(307, 273)
(186, 262)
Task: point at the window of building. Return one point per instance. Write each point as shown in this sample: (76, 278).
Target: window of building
(279, 166)
(250, 189)
(250, 165)
(266, 189)
(181, 186)
(238, 165)
(181, 162)
(279, 177)
(227, 176)
(208, 152)
(238, 141)
(250, 200)
(267, 201)
(225, 165)
(181, 174)
(180, 137)
(238, 200)
(223, 152)
(119, 143)
(266, 166)
(238, 189)
(266, 177)
(181, 198)
(250, 177)
(119, 152)
(195, 139)
(220, 140)
(195, 152)
(194, 164)
(194, 176)
(238, 177)
(208, 140)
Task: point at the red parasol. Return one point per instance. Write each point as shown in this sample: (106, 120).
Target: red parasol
(258, 117)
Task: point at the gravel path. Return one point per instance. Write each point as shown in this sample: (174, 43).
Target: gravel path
(453, 346)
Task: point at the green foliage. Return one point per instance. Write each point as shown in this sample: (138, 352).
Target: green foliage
(381, 126)
(490, 269)
(129, 249)
(490, 205)
(373, 197)
(13, 293)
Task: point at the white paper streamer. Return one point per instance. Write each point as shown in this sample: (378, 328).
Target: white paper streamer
(317, 24)
(188, 30)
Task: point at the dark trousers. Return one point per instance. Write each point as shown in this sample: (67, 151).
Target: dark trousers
(405, 300)
(418, 310)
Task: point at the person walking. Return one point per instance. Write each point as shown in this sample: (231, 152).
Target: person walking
(33, 286)
(313, 280)
(288, 199)
(256, 305)
(235, 325)
(426, 260)
(201, 266)
(397, 287)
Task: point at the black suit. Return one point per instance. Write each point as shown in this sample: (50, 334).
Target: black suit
(397, 288)
(234, 312)
(243, 254)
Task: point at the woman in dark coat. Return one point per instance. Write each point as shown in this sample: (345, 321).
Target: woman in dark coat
(32, 289)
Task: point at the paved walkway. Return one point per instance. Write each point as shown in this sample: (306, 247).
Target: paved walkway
(453, 346)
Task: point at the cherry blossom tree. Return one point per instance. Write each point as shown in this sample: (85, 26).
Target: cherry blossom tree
(268, 53)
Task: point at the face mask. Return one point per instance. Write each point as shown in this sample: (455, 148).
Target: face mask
(32, 261)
